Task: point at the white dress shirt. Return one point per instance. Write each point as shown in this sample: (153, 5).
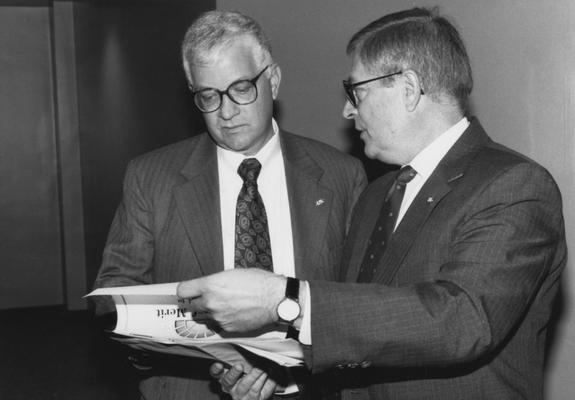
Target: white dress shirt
(424, 163)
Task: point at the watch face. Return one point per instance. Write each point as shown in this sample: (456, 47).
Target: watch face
(288, 310)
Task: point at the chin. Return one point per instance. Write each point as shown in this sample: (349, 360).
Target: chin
(375, 155)
(247, 149)
(369, 153)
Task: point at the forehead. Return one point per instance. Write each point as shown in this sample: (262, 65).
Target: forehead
(358, 71)
(225, 65)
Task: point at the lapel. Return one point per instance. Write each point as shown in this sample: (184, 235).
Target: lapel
(310, 204)
(365, 217)
(198, 203)
(449, 171)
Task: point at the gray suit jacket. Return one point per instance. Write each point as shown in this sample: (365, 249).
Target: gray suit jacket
(460, 303)
(168, 229)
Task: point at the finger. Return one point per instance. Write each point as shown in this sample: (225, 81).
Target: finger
(251, 383)
(255, 391)
(217, 370)
(231, 377)
(259, 383)
(201, 316)
(190, 289)
(268, 389)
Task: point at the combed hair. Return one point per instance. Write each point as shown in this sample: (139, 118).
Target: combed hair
(216, 29)
(421, 40)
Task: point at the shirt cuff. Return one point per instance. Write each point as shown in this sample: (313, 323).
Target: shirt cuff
(305, 329)
(288, 390)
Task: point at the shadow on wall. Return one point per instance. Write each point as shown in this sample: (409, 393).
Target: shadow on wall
(557, 314)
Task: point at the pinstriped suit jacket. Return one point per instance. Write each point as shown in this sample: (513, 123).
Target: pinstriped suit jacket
(461, 300)
(168, 228)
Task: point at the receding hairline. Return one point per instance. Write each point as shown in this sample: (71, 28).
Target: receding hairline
(216, 30)
(206, 56)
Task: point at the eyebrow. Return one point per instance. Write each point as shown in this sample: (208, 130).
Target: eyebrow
(214, 88)
(230, 84)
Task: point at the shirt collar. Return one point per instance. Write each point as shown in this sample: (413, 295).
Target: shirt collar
(427, 159)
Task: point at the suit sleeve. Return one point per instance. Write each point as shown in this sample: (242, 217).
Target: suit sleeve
(505, 249)
(129, 251)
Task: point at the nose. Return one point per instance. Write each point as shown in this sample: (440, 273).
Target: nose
(349, 111)
(228, 109)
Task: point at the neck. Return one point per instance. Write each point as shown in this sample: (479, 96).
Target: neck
(439, 116)
(430, 124)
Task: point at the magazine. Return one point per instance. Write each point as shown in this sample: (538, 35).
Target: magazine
(154, 318)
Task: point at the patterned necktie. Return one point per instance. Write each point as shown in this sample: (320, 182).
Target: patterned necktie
(385, 223)
(253, 249)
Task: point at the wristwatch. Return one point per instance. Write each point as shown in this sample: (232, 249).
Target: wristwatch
(289, 309)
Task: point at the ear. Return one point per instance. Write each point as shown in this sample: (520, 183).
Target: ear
(275, 80)
(188, 72)
(413, 89)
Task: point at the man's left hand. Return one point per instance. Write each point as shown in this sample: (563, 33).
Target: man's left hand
(254, 385)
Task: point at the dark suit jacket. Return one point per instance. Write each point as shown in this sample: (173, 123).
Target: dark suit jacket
(168, 229)
(461, 300)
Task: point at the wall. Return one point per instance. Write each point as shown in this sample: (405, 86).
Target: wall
(523, 57)
(30, 258)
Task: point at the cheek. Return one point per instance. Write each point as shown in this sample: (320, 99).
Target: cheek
(259, 113)
(212, 123)
(368, 116)
(212, 119)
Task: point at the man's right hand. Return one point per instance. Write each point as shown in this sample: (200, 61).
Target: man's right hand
(237, 300)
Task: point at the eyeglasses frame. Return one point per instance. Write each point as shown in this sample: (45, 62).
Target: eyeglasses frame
(221, 93)
(350, 87)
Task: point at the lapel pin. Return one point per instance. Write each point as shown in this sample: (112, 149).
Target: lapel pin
(430, 199)
(319, 202)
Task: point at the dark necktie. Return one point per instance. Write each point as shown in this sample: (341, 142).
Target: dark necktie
(253, 249)
(385, 223)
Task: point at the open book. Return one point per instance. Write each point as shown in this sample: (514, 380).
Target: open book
(154, 318)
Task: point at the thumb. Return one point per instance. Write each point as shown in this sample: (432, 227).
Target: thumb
(190, 289)
(217, 369)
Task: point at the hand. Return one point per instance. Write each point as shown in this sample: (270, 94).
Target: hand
(237, 300)
(255, 385)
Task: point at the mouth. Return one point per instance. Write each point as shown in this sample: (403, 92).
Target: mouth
(231, 129)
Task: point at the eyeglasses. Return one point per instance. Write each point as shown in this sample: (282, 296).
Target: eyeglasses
(350, 87)
(241, 92)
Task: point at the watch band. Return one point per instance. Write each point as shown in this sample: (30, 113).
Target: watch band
(292, 288)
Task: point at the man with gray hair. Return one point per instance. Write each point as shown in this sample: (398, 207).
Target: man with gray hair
(452, 264)
(245, 194)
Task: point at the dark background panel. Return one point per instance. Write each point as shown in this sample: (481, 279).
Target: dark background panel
(30, 246)
(132, 97)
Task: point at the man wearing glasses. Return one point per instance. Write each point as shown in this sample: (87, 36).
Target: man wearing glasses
(451, 265)
(243, 195)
